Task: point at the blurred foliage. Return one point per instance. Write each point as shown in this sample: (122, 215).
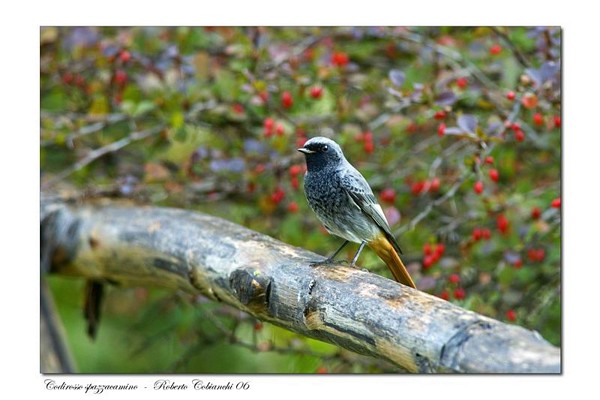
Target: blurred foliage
(458, 131)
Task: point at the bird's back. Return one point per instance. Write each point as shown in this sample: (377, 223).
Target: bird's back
(328, 194)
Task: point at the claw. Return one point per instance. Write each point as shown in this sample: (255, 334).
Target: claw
(327, 261)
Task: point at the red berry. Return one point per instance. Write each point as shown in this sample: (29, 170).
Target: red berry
(511, 315)
(316, 92)
(417, 187)
(440, 248)
(540, 254)
(264, 95)
(292, 207)
(309, 54)
(495, 49)
(120, 77)
(555, 203)
(368, 136)
(476, 235)
(557, 121)
(279, 130)
(321, 370)
(439, 115)
(268, 124)
(529, 101)
(286, 100)
(462, 82)
(295, 169)
(238, 108)
(494, 174)
(369, 147)
(518, 264)
(519, 135)
(412, 127)
(536, 255)
(510, 95)
(454, 278)
(502, 224)
(427, 249)
(300, 141)
(532, 255)
(441, 129)
(536, 213)
(339, 59)
(486, 234)
(434, 185)
(388, 195)
(300, 131)
(444, 295)
(538, 119)
(515, 126)
(459, 293)
(125, 56)
(67, 78)
(259, 169)
(390, 50)
(277, 196)
(258, 326)
(80, 81)
(428, 261)
(489, 160)
(478, 187)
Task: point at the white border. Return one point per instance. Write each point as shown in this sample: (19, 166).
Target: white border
(20, 181)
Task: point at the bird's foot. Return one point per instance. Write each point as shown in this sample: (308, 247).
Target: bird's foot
(330, 261)
(353, 265)
(326, 261)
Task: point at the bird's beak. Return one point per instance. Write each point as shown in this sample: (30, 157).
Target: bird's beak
(305, 150)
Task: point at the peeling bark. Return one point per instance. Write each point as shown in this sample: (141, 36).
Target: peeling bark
(275, 282)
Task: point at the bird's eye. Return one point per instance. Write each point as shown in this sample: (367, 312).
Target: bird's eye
(325, 148)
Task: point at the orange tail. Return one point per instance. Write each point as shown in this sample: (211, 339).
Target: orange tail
(386, 251)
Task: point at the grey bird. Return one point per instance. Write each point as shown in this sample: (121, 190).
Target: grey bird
(344, 202)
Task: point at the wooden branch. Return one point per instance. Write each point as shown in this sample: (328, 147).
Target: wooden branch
(55, 357)
(102, 151)
(275, 282)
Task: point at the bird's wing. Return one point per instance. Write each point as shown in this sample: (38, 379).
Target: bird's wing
(360, 192)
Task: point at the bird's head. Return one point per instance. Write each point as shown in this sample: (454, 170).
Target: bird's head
(321, 152)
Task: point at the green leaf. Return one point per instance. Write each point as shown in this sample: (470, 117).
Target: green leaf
(177, 119)
(324, 105)
(143, 107)
(180, 134)
(99, 106)
(128, 107)
(506, 275)
(56, 100)
(225, 85)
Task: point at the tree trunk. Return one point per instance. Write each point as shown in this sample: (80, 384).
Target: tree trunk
(275, 282)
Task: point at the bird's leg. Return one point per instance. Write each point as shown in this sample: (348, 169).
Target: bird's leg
(362, 245)
(330, 259)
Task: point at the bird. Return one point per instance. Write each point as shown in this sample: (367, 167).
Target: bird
(345, 204)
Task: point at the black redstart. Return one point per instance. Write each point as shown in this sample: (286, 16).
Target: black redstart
(346, 205)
